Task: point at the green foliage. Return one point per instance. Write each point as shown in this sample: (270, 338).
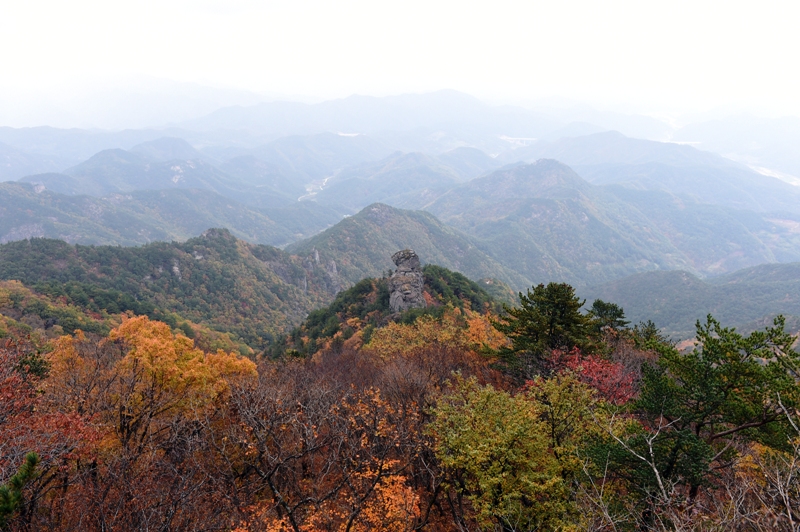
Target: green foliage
(548, 318)
(25, 312)
(646, 335)
(607, 315)
(11, 492)
(214, 280)
(696, 405)
(497, 451)
(449, 287)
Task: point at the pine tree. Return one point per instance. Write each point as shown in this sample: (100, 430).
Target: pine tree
(11, 493)
(548, 319)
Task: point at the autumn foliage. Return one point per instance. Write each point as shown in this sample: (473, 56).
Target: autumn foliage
(417, 424)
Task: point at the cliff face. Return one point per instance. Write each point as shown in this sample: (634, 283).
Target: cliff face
(406, 283)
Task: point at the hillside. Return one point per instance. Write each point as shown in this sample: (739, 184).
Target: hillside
(140, 217)
(365, 307)
(714, 238)
(252, 293)
(545, 222)
(361, 246)
(121, 172)
(675, 300)
(612, 158)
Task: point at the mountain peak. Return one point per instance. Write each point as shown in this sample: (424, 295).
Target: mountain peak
(166, 149)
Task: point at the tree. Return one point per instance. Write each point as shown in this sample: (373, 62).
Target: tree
(148, 392)
(11, 492)
(548, 319)
(694, 409)
(607, 315)
(498, 452)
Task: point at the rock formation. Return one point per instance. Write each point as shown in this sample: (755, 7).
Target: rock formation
(406, 283)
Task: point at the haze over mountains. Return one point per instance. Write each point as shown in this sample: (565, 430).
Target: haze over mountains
(497, 192)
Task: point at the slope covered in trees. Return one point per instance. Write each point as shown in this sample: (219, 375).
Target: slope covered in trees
(252, 293)
(674, 301)
(362, 245)
(427, 423)
(141, 217)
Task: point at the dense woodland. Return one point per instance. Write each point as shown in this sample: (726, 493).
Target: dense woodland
(466, 415)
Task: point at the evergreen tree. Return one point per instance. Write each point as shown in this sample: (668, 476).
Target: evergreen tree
(547, 319)
(608, 315)
(11, 493)
(694, 407)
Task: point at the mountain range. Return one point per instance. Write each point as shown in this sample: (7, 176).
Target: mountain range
(494, 192)
(675, 300)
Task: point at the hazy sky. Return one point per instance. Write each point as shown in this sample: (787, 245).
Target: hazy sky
(662, 54)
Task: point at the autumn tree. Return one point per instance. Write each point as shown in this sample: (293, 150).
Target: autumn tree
(311, 455)
(497, 450)
(145, 388)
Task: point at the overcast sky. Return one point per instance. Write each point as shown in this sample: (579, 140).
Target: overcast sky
(672, 55)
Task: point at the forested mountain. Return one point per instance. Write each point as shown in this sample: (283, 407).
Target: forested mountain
(587, 208)
(362, 245)
(405, 180)
(540, 221)
(140, 217)
(251, 293)
(714, 238)
(545, 222)
(675, 300)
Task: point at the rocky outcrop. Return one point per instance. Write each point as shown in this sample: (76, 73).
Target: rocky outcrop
(406, 283)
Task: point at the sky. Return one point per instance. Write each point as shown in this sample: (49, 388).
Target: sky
(59, 58)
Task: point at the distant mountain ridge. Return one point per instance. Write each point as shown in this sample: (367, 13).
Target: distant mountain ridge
(611, 158)
(16, 163)
(367, 114)
(140, 217)
(675, 300)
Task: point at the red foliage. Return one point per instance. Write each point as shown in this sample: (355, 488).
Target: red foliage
(609, 378)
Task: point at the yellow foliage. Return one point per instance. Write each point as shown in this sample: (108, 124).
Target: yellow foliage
(466, 330)
(500, 446)
(174, 362)
(393, 507)
(139, 378)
